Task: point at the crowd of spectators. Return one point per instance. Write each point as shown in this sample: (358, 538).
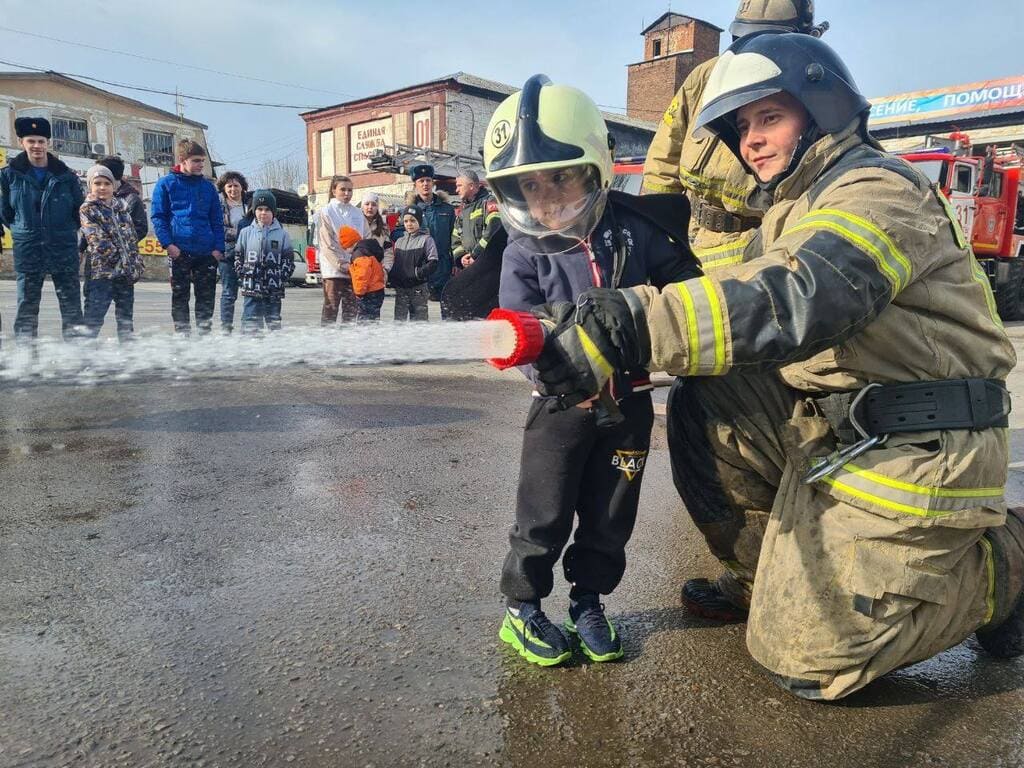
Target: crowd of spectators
(87, 242)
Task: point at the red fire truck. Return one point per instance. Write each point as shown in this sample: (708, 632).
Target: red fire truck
(987, 194)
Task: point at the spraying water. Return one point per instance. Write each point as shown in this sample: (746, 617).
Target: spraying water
(95, 361)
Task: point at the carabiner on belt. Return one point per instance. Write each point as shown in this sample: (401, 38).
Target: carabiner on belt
(826, 466)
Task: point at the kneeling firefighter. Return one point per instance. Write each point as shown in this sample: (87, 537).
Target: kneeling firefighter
(843, 417)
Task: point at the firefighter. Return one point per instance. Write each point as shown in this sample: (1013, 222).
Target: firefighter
(477, 222)
(844, 407)
(722, 220)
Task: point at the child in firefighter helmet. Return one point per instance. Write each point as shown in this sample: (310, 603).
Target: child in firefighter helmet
(548, 159)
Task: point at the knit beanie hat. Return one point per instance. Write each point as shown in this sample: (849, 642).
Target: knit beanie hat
(99, 170)
(348, 237)
(414, 211)
(370, 197)
(264, 197)
(115, 164)
(368, 247)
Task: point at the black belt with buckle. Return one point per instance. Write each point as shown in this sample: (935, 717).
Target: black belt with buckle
(717, 219)
(866, 418)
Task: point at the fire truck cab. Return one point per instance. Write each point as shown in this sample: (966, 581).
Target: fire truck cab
(987, 196)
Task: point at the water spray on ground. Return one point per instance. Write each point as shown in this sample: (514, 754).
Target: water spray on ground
(93, 361)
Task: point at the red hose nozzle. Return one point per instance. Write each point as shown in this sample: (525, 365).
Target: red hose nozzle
(529, 338)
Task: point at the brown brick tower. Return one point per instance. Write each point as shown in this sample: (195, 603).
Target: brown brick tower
(673, 46)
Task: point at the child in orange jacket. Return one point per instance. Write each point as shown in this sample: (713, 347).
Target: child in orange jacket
(368, 278)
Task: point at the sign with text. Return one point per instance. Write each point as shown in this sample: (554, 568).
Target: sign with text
(955, 101)
(364, 138)
(150, 246)
(422, 134)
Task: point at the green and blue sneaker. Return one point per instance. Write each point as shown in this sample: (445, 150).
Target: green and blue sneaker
(598, 639)
(530, 632)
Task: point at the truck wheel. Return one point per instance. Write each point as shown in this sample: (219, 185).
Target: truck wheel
(1008, 295)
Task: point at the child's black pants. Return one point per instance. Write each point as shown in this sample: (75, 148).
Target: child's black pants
(571, 467)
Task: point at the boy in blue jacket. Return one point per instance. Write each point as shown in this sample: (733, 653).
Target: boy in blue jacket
(567, 233)
(189, 222)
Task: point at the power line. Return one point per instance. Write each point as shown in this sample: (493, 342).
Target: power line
(168, 61)
(212, 99)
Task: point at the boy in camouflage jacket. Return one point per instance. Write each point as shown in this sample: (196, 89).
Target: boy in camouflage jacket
(111, 254)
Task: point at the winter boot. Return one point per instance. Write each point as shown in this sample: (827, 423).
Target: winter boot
(530, 632)
(706, 599)
(1005, 640)
(597, 637)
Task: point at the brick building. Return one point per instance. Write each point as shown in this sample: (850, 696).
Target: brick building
(441, 121)
(674, 45)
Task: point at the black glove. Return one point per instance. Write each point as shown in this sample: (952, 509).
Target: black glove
(603, 332)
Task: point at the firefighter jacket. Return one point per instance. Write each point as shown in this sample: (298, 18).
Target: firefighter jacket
(860, 274)
(475, 226)
(722, 221)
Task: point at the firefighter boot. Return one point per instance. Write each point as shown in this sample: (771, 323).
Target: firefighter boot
(708, 600)
(1005, 640)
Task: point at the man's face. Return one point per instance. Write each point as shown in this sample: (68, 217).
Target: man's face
(770, 130)
(343, 191)
(424, 187)
(102, 188)
(555, 198)
(466, 189)
(35, 147)
(264, 216)
(411, 224)
(193, 165)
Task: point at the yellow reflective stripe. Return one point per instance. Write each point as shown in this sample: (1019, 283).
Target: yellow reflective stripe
(864, 245)
(482, 242)
(476, 213)
(692, 332)
(724, 255)
(990, 567)
(706, 186)
(594, 355)
(718, 325)
(979, 276)
(901, 496)
(491, 217)
(654, 186)
(705, 327)
(868, 238)
(881, 234)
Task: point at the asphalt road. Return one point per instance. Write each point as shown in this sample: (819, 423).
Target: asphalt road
(300, 567)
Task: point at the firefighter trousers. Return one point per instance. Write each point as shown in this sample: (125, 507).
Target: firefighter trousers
(571, 467)
(854, 576)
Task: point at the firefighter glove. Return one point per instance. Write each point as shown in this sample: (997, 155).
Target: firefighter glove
(587, 342)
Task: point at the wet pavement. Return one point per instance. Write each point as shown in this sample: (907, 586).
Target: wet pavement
(300, 567)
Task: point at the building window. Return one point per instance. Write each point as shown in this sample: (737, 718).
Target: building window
(157, 148)
(657, 47)
(325, 158)
(70, 137)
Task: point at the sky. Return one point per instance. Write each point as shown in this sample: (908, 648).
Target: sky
(323, 53)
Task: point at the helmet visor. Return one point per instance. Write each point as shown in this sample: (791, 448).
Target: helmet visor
(565, 202)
